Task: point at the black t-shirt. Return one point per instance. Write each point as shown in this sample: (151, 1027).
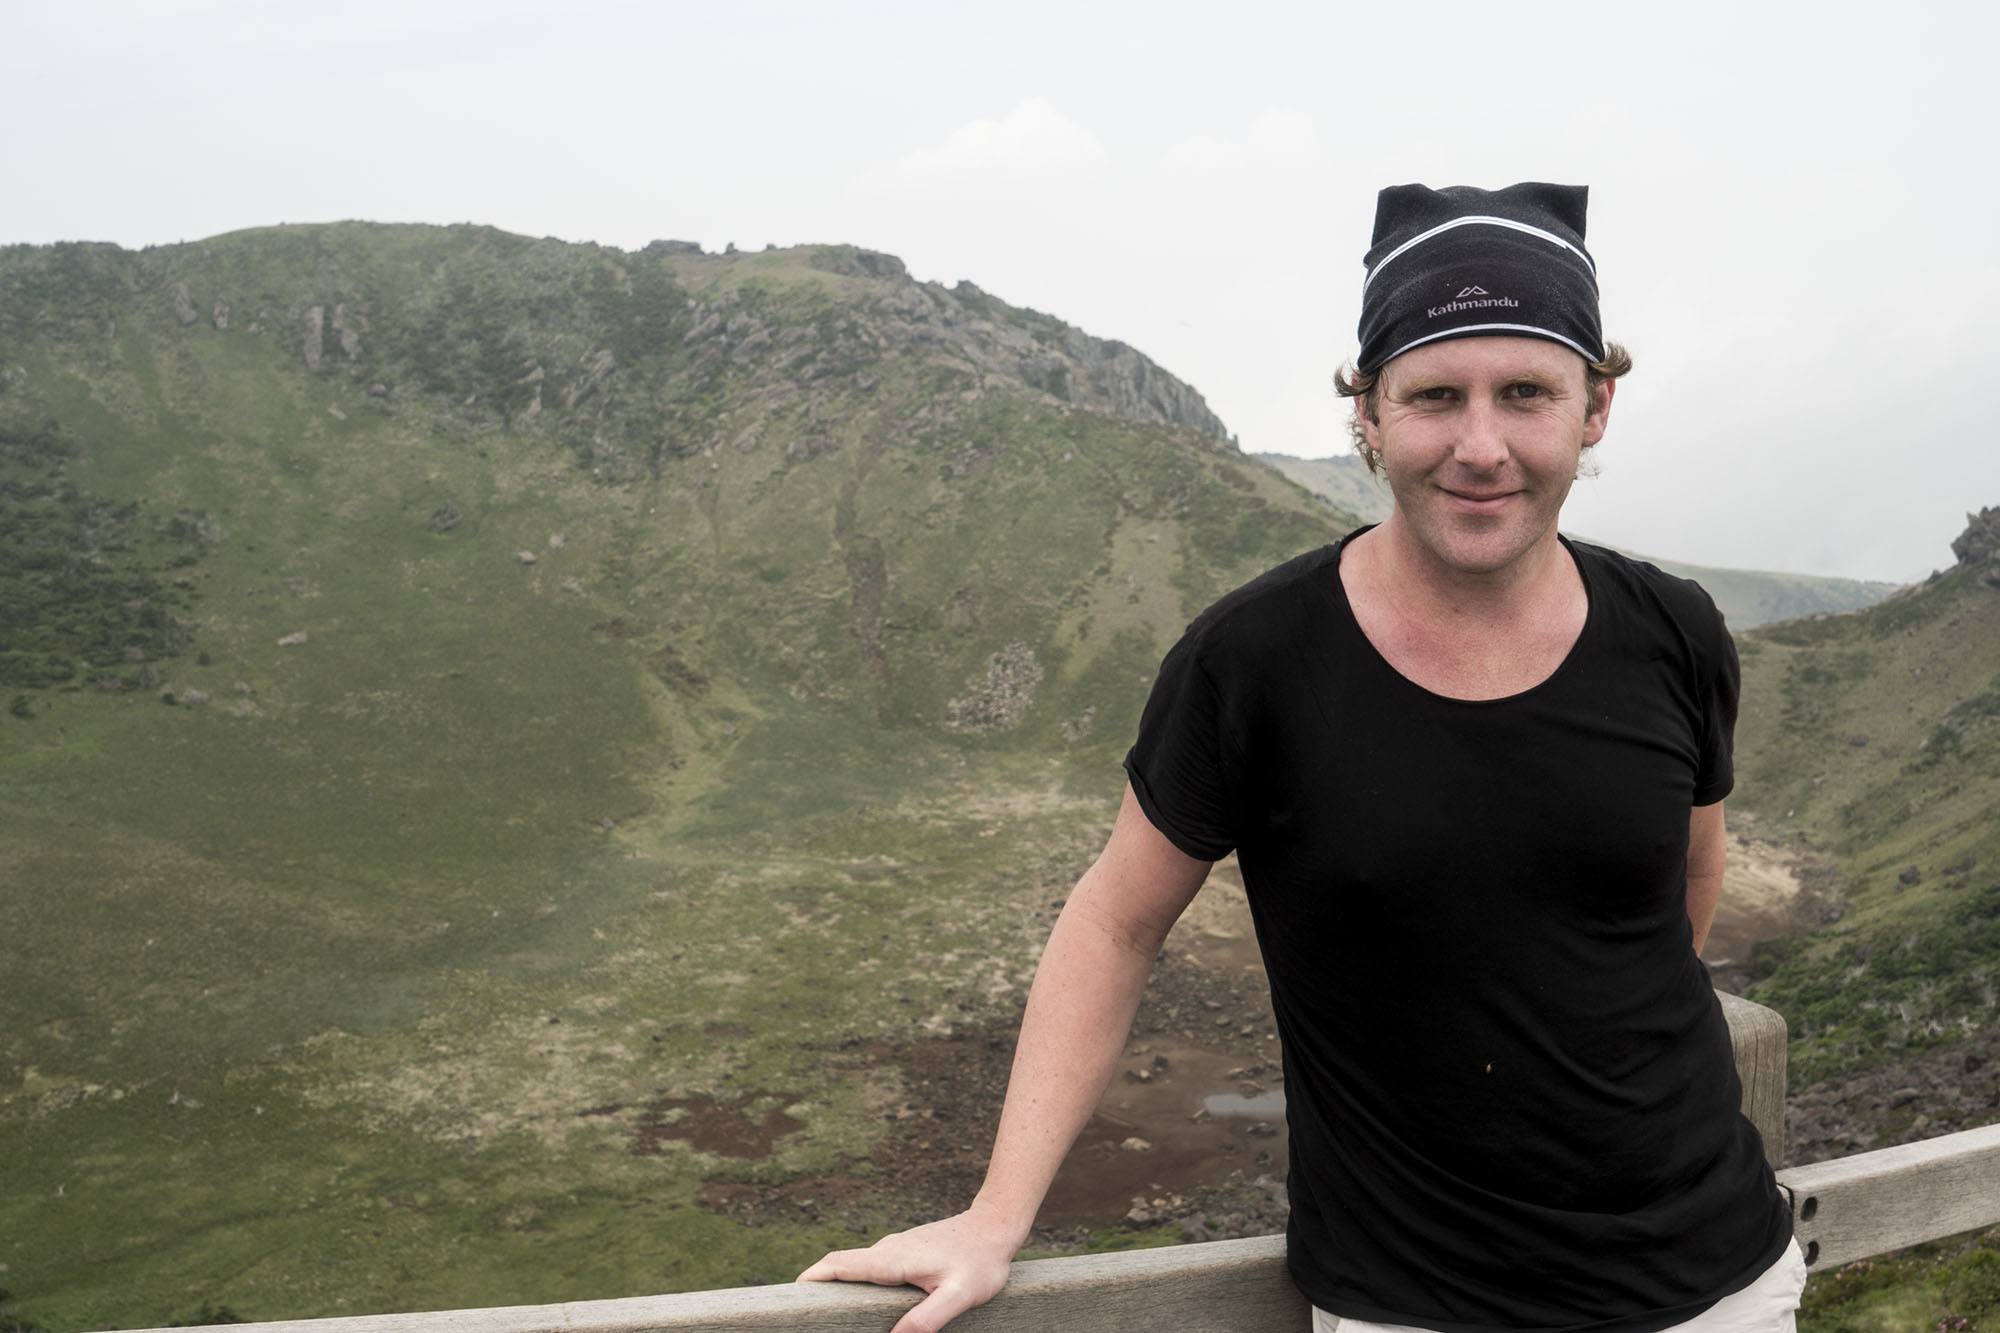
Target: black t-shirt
(1509, 1085)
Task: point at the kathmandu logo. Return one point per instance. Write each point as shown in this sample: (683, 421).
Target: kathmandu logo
(1473, 297)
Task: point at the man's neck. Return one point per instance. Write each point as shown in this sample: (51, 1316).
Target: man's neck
(1402, 568)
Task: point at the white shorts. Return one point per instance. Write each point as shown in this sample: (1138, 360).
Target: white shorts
(1767, 1305)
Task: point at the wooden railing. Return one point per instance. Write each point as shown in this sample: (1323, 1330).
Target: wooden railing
(1845, 1209)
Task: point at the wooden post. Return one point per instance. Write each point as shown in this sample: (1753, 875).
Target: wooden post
(1758, 1036)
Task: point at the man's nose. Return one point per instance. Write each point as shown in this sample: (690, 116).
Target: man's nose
(1481, 438)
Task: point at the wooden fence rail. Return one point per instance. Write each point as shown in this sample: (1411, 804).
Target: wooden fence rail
(1846, 1209)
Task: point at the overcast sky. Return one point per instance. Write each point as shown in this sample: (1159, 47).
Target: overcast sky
(1792, 206)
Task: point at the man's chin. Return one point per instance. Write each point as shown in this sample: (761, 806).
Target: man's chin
(1482, 546)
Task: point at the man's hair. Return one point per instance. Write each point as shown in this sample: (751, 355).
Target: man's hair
(1349, 382)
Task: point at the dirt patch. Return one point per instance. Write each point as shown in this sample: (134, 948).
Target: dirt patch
(1191, 1128)
(1773, 888)
(746, 1127)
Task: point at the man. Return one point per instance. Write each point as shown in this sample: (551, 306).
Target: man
(1473, 774)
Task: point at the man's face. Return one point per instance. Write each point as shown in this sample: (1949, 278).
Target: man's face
(1479, 440)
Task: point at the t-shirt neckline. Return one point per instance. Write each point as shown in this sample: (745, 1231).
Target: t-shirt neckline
(1344, 610)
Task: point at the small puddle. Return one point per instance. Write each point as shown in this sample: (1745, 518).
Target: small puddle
(1263, 1105)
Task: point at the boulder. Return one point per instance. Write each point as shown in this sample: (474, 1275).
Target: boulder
(1000, 698)
(183, 304)
(345, 329)
(315, 344)
(1979, 544)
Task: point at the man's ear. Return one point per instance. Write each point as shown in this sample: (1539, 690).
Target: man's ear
(1598, 414)
(1368, 417)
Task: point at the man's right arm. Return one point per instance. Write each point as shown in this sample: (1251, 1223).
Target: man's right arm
(1079, 1011)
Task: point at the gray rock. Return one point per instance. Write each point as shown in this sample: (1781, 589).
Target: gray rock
(183, 304)
(857, 263)
(220, 316)
(595, 372)
(1980, 542)
(344, 329)
(315, 345)
(446, 517)
(1001, 697)
(672, 248)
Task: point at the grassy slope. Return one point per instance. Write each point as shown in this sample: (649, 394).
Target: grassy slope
(309, 985)
(1874, 734)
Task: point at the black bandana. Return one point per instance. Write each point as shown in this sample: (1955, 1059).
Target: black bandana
(1461, 262)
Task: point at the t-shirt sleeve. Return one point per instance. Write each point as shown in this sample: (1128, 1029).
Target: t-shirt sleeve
(1721, 686)
(1179, 766)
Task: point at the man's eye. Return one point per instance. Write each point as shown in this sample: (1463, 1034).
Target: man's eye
(1434, 395)
(1525, 390)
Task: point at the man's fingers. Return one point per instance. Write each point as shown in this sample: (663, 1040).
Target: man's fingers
(936, 1310)
(852, 1266)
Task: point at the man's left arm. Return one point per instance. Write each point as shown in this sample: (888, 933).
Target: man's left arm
(1708, 846)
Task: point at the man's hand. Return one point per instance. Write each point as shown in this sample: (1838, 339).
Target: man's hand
(961, 1261)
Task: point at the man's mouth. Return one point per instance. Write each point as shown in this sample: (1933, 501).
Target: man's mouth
(1483, 499)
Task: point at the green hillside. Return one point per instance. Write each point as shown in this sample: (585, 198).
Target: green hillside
(489, 716)
(1747, 597)
(1874, 735)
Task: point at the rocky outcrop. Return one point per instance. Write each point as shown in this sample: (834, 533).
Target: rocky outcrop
(1001, 697)
(894, 318)
(595, 371)
(183, 304)
(1979, 544)
(1041, 352)
(220, 316)
(657, 248)
(315, 345)
(857, 263)
(348, 332)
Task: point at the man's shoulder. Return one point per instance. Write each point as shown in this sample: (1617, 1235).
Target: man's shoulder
(1646, 587)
